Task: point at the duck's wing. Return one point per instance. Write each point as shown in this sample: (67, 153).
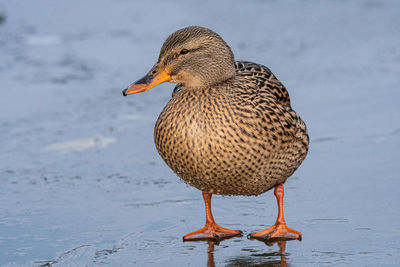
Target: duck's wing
(266, 81)
(265, 95)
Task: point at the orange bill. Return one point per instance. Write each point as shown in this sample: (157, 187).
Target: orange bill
(153, 78)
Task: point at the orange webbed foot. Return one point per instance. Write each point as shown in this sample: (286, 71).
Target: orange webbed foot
(211, 231)
(278, 231)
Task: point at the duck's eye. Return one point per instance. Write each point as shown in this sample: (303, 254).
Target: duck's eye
(184, 51)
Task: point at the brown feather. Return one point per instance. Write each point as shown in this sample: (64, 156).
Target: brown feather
(235, 136)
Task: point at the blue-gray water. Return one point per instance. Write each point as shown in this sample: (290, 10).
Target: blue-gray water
(81, 183)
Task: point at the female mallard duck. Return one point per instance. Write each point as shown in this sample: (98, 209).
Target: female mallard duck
(228, 128)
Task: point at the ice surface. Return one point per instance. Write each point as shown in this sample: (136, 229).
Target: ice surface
(82, 183)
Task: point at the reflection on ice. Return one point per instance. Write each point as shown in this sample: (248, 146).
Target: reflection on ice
(276, 258)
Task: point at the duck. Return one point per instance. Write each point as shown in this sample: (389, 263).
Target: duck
(228, 129)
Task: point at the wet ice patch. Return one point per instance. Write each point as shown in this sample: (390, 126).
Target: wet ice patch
(43, 40)
(81, 144)
(130, 117)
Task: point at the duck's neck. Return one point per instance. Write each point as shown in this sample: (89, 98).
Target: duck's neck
(207, 79)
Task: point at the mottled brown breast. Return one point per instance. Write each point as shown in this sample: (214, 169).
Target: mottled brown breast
(239, 138)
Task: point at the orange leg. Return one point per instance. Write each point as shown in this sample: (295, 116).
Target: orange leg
(279, 231)
(211, 231)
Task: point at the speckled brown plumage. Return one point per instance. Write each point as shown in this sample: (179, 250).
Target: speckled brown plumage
(228, 129)
(240, 137)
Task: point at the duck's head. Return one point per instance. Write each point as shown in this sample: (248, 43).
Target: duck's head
(195, 57)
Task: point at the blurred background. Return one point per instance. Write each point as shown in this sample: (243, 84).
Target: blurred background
(81, 183)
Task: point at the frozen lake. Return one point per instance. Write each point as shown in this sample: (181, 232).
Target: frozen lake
(81, 183)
